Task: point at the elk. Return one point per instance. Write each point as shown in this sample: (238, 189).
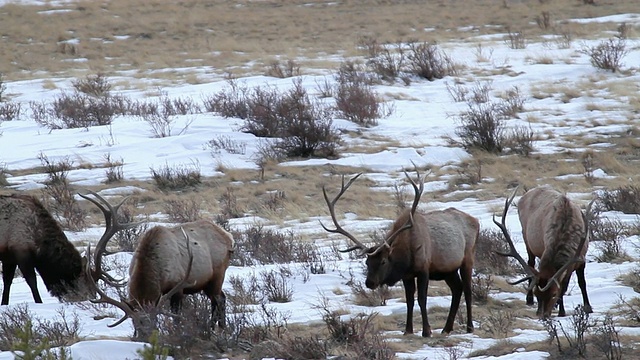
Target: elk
(420, 246)
(31, 239)
(556, 231)
(170, 262)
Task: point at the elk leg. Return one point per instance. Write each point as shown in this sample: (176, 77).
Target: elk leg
(423, 284)
(409, 294)
(29, 274)
(466, 272)
(531, 261)
(176, 302)
(8, 272)
(583, 288)
(218, 306)
(455, 284)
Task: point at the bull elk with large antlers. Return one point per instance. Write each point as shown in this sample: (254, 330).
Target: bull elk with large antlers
(421, 246)
(31, 240)
(170, 262)
(556, 231)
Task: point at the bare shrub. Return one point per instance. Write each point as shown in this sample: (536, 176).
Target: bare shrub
(182, 210)
(10, 111)
(367, 297)
(625, 199)
(78, 110)
(229, 102)
(226, 143)
(499, 323)
(428, 61)
(245, 290)
(324, 88)
(519, 140)
(354, 72)
(358, 102)
(284, 247)
(276, 285)
(609, 236)
(488, 261)
(3, 175)
(623, 31)
(95, 85)
(161, 124)
(457, 91)
(3, 87)
(482, 127)
(63, 330)
(58, 195)
(178, 177)
(544, 20)
(229, 207)
(576, 337)
(358, 334)
(385, 61)
(606, 338)
(127, 239)
(586, 159)
(481, 286)
(608, 54)
(114, 172)
(512, 102)
(516, 39)
(283, 70)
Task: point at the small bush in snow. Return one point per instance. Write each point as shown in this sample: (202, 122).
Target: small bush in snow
(428, 61)
(178, 177)
(625, 199)
(608, 54)
(283, 70)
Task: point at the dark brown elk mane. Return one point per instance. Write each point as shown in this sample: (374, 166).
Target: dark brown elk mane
(147, 288)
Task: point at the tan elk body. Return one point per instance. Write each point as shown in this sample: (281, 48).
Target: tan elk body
(162, 258)
(555, 230)
(422, 246)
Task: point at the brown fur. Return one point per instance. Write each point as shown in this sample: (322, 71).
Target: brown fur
(439, 246)
(552, 228)
(31, 240)
(161, 260)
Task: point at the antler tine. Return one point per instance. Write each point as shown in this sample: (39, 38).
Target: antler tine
(512, 249)
(576, 257)
(112, 226)
(106, 299)
(418, 189)
(331, 204)
(182, 283)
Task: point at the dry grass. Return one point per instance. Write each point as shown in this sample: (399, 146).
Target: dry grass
(121, 35)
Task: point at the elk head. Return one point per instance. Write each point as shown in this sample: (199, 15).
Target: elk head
(385, 263)
(546, 281)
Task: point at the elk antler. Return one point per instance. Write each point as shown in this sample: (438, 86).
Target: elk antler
(586, 218)
(418, 190)
(339, 230)
(531, 274)
(129, 311)
(111, 228)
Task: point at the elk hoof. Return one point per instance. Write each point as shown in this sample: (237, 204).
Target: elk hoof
(469, 328)
(426, 333)
(588, 309)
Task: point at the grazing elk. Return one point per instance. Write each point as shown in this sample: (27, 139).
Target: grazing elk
(31, 240)
(555, 230)
(421, 246)
(172, 261)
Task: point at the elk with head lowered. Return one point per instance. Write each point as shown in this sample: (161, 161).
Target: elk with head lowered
(556, 231)
(31, 239)
(170, 262)
(420, 246)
